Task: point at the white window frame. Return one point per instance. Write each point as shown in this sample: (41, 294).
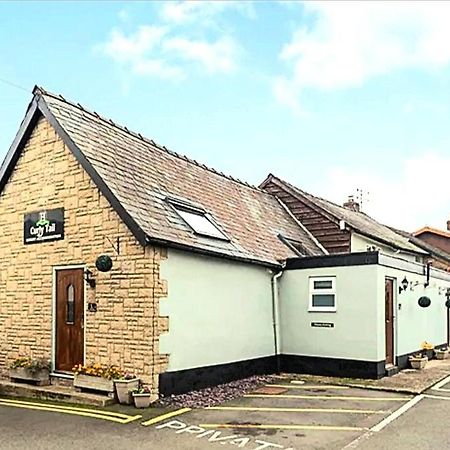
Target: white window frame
(182, 206)
(325, 291)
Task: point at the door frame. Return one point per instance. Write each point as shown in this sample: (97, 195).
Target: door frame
(55, 269)
(394, 320)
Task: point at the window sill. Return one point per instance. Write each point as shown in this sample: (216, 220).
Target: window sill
(322, 310)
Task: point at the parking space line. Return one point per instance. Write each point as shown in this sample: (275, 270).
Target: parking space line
(70, 408)
(438, 386)
(397, 413)
(436, 397)
(288, 386)
(94, 415)
(165, 416)
(281, 427)
(329, 397)
(308, 410)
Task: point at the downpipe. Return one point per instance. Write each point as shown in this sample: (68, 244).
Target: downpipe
(275, 315)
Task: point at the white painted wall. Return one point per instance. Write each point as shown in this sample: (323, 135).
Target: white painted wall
(414, 324)
(361, 243)
(219, 311)
(354, 335)
(359, 331)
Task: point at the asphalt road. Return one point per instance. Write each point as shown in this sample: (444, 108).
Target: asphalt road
(299, 418)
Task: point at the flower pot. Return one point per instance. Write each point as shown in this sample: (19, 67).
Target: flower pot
(41, 377)
(92, 383)
(441, 354)
(418, 363)
(428, 353)
(124, 388)
(143, 400)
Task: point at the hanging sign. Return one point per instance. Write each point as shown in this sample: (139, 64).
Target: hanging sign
(43, 226)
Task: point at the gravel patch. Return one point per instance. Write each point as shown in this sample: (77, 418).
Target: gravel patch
(216, 395)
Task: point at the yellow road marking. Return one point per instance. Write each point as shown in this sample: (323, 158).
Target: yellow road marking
(282, 427)
(72, 408)
(165, 416)
(329, 397)
(72, 412)
(288, 386)
(310, 410)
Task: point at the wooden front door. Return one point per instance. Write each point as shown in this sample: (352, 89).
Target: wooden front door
(389, 320)
(69, 346)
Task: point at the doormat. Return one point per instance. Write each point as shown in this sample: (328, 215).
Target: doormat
(269, 390)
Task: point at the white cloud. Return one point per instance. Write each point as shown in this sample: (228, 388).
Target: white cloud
(133, 47)
(137, 52)
(215, 57)
(204, 12)
(347, 43)
(167, 50)
(417, 196)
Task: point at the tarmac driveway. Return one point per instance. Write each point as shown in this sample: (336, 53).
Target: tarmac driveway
(285, 416)
(293, 416)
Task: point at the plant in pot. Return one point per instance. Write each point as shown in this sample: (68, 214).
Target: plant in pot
(441, 353)
(427, 349)
(96, 377)
(143, 397)
(124, 388)
(27, 369)
(418, 361)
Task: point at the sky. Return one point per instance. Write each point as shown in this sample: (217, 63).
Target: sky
(337, 98)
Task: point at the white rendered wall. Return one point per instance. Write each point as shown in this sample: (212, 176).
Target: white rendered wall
(361, 243)
(414, 324)
(355, 332)
(219, 311)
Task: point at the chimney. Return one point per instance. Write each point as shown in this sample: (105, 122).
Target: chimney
(448, 225)
(352, 205)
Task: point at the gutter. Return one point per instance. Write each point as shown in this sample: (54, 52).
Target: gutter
(275, 315)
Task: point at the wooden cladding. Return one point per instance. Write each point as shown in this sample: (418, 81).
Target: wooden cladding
(323, 227)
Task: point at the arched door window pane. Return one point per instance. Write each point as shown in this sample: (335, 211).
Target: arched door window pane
(70, 304)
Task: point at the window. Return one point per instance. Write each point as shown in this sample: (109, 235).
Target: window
(296, 246)
(70, 319)
(322, 294)
(197, 218)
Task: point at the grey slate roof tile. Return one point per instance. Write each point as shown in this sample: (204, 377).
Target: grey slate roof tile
(140, 174)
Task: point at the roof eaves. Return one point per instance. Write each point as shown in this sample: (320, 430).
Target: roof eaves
(442, 233)
(21, 137)
(390, 244)
(177, 245)
(137, 231)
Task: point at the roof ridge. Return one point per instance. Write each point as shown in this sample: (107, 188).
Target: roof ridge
(41, 91)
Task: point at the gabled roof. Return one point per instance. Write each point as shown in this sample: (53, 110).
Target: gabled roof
(431, 249)
(431, 230)
(358, 221)
(137, 175)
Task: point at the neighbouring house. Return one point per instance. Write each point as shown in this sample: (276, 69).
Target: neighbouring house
(212, 279)
(435, 239)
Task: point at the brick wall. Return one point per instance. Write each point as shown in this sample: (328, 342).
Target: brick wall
(435, 240)
(125, 329)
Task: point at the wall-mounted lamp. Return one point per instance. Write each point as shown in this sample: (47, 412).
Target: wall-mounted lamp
(88, 278)
(403, 285)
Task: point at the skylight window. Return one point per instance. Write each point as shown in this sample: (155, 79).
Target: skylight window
(197, 218)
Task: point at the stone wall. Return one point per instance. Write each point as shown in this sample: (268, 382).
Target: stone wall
(125, 330)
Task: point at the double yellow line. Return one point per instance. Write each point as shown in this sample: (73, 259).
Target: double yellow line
(84, 412)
